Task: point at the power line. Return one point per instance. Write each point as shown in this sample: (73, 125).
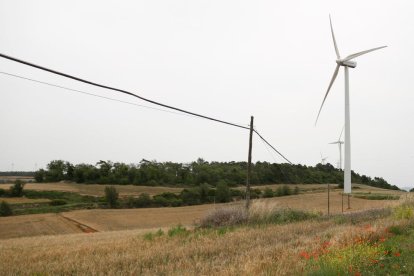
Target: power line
(125, 92)
(91, 94)
(118, 90)
(271, 146)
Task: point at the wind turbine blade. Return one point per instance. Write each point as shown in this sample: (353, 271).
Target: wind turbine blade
(334, 40)
(327, 92)
(334, 142)
(339, 139)
(361, 53)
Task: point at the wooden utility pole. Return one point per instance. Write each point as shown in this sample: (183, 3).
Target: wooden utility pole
(329, 203)
(249, 164)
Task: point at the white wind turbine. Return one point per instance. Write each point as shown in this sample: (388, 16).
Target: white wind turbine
(323, 159)
(340, 143)
(346, 63)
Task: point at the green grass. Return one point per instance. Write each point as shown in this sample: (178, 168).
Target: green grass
(370, 196)
(61, 202)
(388, 251)
(398, 257)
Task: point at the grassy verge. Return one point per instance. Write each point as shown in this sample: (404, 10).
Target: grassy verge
(370, 196)
(370, 251)
(60, 202)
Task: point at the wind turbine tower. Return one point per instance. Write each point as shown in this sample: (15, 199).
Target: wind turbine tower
(346, 63)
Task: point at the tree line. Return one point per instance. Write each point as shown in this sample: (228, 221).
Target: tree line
(153, 173)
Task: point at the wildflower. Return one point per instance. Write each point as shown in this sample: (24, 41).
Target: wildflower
(326, 244)
(382, 239)
(397, 254)
(304, 255)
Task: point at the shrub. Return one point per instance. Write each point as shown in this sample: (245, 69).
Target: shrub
(40, 175)
(223, 193)
(57, 202)
(225, 217)
(204, 193)
(5, 209)
(111, 196)
(17, 189)
(3, 192)
(144, 200)
(190, 196)
(286, 190)
(268, 193)
(237, 193)
(179, 230)
(279, 216)
(255, 193)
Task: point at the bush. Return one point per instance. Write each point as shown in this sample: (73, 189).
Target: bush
(111, 196)
(279, 216)
(225, 217)
(57, 202)
(5, 209)
(190, 196)
(3, 192)
(17, 189)
(268, 193)
(144, 200)
(286, 190)
(223, 193)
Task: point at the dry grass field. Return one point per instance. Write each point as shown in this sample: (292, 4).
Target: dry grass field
(20, 200)
(96, 189)
(154, 218)
(264, 250)
(143, 218)
(35, 225)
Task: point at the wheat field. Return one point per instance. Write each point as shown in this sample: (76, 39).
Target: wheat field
(153, 218)
(96, 189)
(262, 250)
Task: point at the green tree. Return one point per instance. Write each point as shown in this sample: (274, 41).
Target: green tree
(111, 196)
(5, 209)
(222, 192)
(40, 175)
(17, 189)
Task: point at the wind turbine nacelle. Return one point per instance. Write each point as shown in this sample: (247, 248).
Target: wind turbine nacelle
(347, 63)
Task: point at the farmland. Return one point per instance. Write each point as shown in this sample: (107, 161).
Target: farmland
(95, 189)
(148, 240)
(312, 198)
(276, 249)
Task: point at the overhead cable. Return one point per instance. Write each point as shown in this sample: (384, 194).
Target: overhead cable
(91, 94)
(271, 146)
(118, 90)
(125, 92)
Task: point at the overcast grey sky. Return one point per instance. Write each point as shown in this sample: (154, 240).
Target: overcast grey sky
(225, 59)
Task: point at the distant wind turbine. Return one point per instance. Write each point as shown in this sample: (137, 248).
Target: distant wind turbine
(346, 63)
(323, 159)
(339, 142)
